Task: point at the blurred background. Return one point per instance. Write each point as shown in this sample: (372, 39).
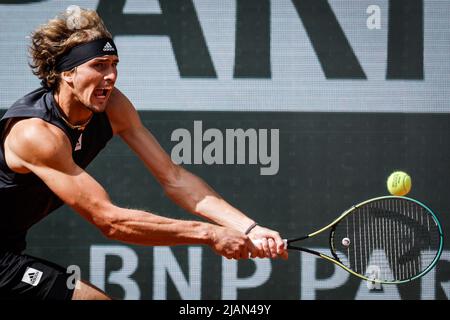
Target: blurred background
(334, 96)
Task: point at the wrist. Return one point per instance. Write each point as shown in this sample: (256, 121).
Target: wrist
(211, 234)
(250, 228)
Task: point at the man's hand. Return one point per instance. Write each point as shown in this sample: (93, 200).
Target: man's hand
(269, 244)
(233, 244)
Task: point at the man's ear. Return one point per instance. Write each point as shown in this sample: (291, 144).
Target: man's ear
(67, 76)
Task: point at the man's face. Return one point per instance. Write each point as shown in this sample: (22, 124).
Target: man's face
(93, 82)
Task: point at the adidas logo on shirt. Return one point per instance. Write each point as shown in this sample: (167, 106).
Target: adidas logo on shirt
(108, 47)
(32, 276)
(78, 145)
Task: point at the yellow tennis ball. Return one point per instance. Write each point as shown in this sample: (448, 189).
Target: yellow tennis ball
(399, 183)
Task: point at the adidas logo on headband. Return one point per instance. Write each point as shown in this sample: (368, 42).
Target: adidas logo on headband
(108, 47)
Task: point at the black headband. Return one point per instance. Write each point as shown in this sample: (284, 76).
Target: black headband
(85, 52)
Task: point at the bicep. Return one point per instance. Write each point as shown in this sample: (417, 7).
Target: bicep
(76, 188)
(145, 145)
(126, 122)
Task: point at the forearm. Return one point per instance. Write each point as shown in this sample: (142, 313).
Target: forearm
(196, 196)
(144, 228)
(222, 213)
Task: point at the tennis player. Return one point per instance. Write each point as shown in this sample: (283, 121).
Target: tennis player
(51, 134)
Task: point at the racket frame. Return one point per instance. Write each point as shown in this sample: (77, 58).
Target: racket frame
(334, 259)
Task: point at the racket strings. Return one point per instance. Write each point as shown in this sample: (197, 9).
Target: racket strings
(390, 239)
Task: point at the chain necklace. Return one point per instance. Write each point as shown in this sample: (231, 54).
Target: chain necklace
(77, 126)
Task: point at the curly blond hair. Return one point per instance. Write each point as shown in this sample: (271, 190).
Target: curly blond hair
(52, 40)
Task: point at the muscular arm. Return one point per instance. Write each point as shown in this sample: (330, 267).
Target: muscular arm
(52, 162)
(184, 188)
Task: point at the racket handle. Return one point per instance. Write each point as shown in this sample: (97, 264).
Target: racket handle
(258, 241)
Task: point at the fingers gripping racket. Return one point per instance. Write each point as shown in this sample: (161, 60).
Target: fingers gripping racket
(389, 240)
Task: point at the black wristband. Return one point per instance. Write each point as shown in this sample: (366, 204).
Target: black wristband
(250, 228)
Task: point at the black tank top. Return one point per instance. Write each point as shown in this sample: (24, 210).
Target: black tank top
(24, 198)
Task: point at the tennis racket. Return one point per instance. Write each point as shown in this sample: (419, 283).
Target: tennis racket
(388, 240)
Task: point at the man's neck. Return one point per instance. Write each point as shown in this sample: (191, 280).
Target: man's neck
(74, 112)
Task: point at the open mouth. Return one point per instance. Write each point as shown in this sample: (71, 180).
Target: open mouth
(101, 93)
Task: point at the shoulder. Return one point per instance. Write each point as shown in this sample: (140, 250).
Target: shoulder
(35, 140)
